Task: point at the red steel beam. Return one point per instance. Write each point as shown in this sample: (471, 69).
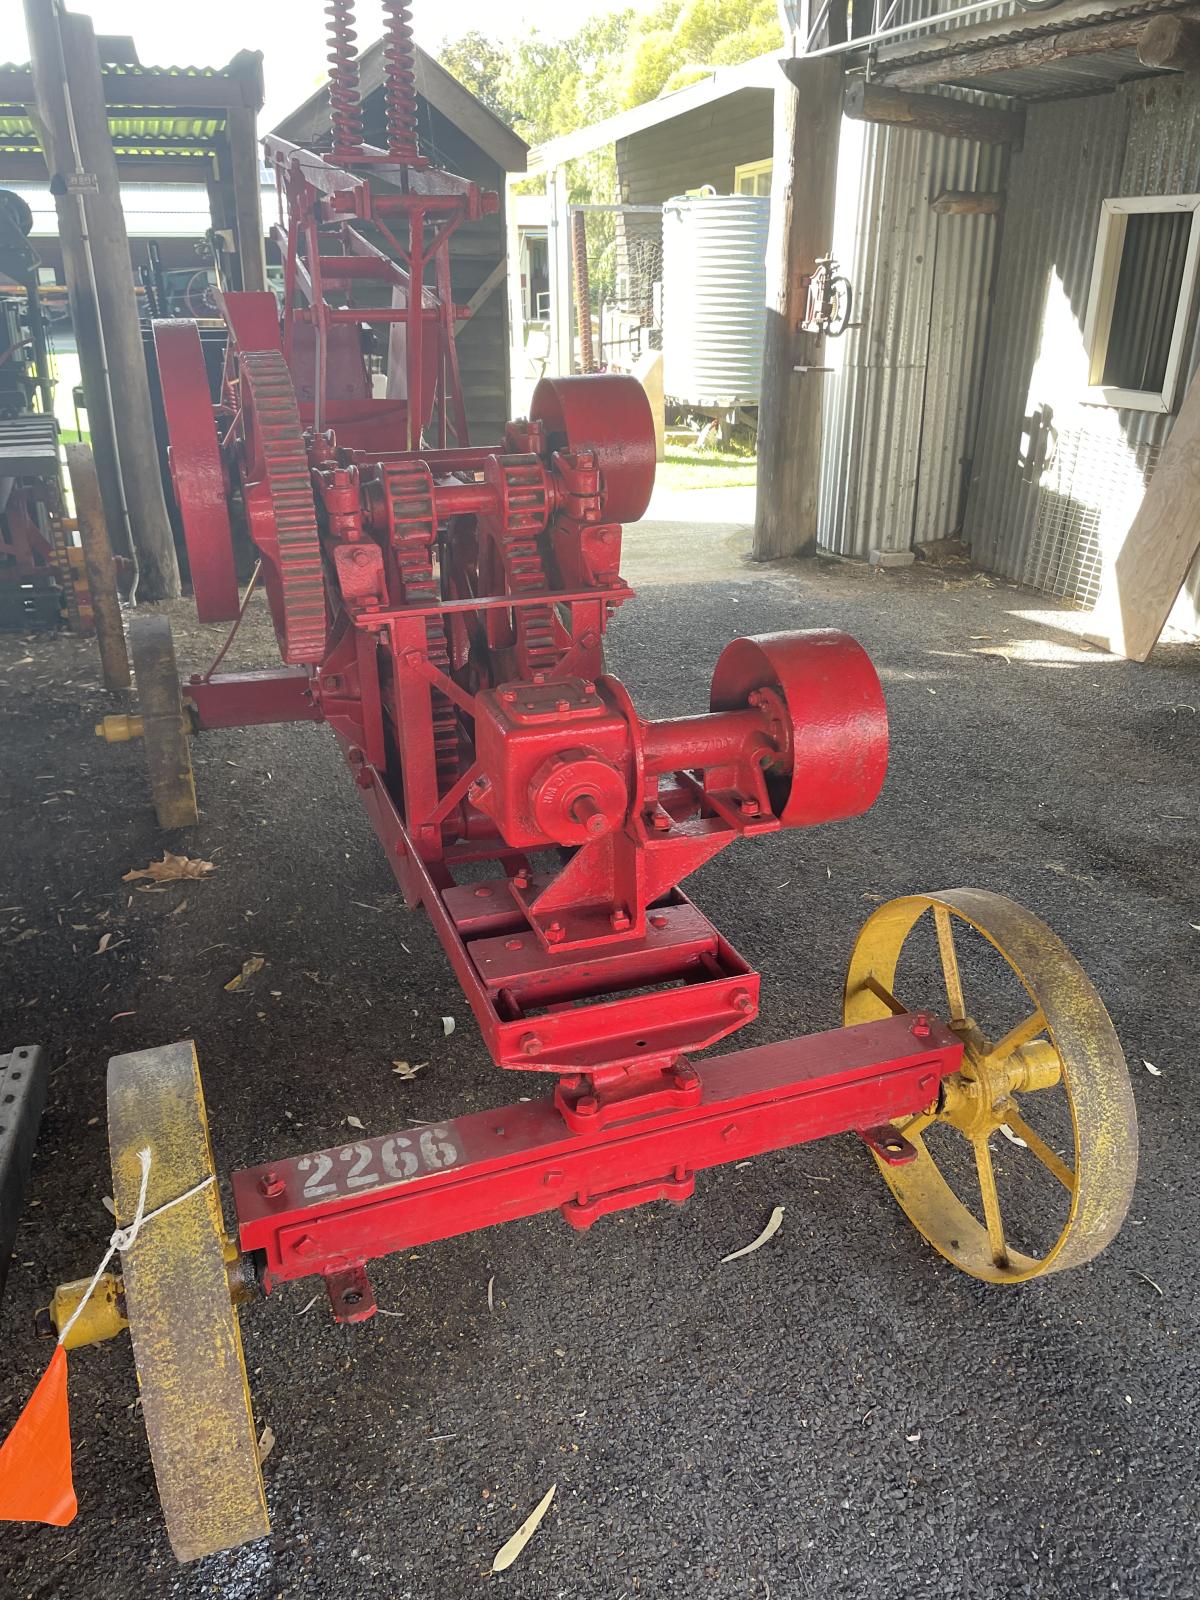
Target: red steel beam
(337, 1208)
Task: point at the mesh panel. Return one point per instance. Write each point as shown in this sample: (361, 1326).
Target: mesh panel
(1089, 494)
(623, 283)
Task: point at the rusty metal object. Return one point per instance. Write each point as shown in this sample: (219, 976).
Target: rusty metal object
(101, 567)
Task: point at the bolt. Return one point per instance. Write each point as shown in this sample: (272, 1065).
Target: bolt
(748, 807)
(412, 658)
(921, 1028)
(555, 932)
(660, 820)
(754, 698)
(361, 557)
(483, 892)
(508, 696)
(658, 920)
(619, 919)
(271, 1185)
(741, 1000)
(351, 1297)
(530, 1043)
(302, 1245)
(512, 944)
(684, 1077)
(562, 705)
(590, 688)
(520, 879)
(587, 1105)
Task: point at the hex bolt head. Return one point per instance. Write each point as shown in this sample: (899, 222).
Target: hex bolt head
(271, 1184)
(920, 1028)
(530, 1043)
(587, 1105)
(741, 1000)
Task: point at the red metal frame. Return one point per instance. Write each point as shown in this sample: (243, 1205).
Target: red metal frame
(443, 607)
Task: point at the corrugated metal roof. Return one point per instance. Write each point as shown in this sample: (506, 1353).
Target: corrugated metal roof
(1059, 80)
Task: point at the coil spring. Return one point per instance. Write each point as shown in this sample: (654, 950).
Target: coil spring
(400, 93)
(345, 108)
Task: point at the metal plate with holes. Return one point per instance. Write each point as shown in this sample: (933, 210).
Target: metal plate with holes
(22, 1100)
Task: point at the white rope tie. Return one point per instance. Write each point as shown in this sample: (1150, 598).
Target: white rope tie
(123, 1239)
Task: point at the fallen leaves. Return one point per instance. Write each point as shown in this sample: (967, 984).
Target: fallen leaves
(105, 941)
(266, 1443)
(1155, 1072)
(1013, 1138)
(408, 1069)
(769, 1232)
(447, 1027)
(511, 1549)
(171, 869)
(249, 968)
(354, 1122)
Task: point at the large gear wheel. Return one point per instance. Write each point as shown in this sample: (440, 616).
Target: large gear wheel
(407, 490)
(283, 523)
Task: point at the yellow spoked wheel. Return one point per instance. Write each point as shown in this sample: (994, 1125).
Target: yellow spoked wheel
(1025, 1164)
(186, 1342)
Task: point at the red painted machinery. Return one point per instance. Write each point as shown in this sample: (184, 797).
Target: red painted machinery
(442, 605)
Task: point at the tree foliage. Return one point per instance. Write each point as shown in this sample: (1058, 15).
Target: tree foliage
(546, 87)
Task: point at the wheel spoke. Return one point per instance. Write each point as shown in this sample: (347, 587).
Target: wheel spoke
(1049, 1158)
(991, 1202)
(1033, 1024)
(896, 1007)
(917, 1124)
(945, 937)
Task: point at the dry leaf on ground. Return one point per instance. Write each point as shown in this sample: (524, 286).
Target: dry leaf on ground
(509, 1551)
(408, 1069)
(170, 869)
(354, 1122)
(249, 968)
(266, 1443)
(104, 943)
(769, 1232)
(1155, 1072)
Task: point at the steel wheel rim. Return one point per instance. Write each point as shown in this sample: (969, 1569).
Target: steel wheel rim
(1093, 1077)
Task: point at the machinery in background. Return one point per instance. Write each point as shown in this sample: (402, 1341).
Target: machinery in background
(42, 580)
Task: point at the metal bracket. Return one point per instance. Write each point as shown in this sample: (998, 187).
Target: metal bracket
(22, 1100)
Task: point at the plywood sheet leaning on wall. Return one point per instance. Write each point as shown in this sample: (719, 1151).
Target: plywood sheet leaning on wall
(1143, 581)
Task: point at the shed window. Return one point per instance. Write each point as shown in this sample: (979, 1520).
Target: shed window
(1139, 307)
(753, 178)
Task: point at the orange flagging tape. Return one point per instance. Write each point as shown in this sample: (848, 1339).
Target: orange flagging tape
(35, 1459)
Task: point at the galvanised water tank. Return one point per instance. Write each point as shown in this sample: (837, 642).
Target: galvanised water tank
(714, 298)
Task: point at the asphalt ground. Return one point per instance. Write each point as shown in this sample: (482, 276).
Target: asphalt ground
(841, 1414)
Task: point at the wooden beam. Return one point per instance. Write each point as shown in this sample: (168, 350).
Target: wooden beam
(484, 292)
(1171, 40)
(246, 196)
(808, 120)
(66, 71)
(967, 203)
(932, 113)
(1139, 588)
(956, 65)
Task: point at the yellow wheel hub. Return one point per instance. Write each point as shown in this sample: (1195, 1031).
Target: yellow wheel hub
(1058, 1063)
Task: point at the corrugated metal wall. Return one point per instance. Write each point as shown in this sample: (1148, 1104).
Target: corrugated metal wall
(1142, 139)
(900, 402)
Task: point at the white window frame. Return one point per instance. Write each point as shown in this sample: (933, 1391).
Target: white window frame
(1106, 268)
(751, 169)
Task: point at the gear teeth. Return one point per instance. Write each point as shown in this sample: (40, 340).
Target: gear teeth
(408, 487)
(267, 388)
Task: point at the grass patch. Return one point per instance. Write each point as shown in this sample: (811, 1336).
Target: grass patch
(705, 469)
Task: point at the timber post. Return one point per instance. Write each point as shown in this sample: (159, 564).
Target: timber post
(808, 116)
